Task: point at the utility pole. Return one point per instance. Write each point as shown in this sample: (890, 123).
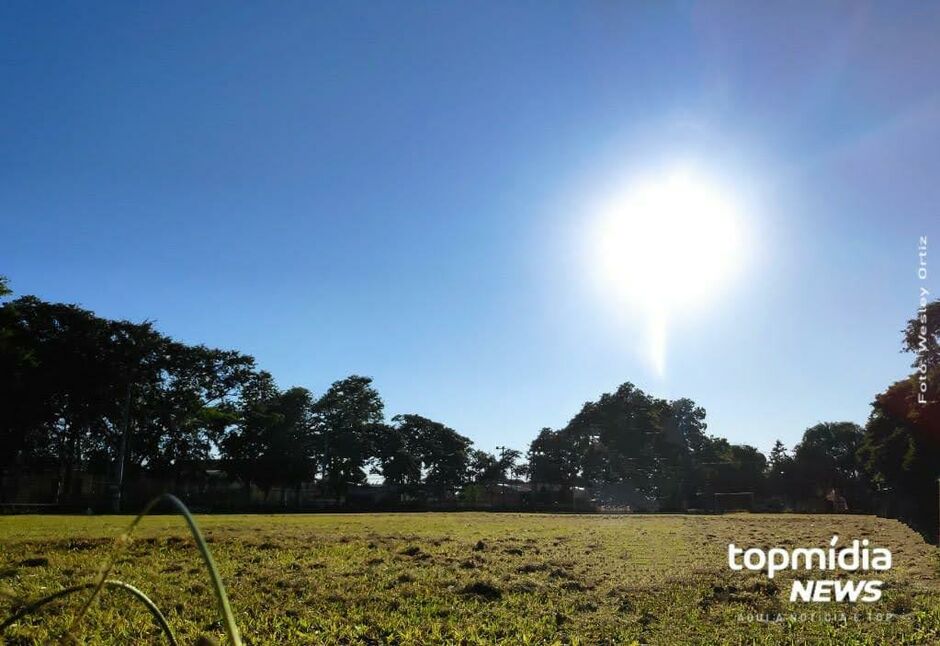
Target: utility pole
(500, 480)
(122, 455)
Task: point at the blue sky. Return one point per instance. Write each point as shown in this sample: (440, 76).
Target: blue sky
(401, 189)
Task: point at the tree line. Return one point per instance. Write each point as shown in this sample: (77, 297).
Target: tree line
(73, 382)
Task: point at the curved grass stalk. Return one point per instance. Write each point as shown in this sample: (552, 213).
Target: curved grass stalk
(225, 609)
(111, 583)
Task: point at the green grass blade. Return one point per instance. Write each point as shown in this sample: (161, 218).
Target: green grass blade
(110, 583)
(225, 609)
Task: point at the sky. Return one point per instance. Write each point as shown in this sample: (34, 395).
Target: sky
(404, 190)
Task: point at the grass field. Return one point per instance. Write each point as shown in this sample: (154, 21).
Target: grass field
(463, 578)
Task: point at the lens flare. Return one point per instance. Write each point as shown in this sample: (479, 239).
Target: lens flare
(664, 246)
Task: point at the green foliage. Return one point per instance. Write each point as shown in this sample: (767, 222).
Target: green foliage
(417, 450)
(826, 458)
(900, 449)
(484, 468)
(348, 416)
(779, 468)
(489, 469)
(273, 442)
(77, 381)
(921, 336)
(657, 447)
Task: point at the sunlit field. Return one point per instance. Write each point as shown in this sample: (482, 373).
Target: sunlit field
(462, 578)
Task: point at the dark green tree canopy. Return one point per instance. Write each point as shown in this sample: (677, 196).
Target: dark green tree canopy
(72, 383)
(348, 418)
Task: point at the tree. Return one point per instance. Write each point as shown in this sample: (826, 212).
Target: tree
(901, 452)
(553, 459)
(628, 437)
(484, 468)
(631, 438)
(825, 459)
(682, 443)
(686, 425)
(398, 457)
(779, 471)
(76, 381)
(414, 446)
(284, 443)
(190, 408)
(244, 446)
(442, 452)
(900, 449)
(507, 462)
(779, 457)
(617, 438)
(64, 376)
(273, 443)
(347, 418)
(921, 336)
(27, 416)
(749, 467)
(729, 468)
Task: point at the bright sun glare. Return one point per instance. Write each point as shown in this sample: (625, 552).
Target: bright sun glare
(665, 246)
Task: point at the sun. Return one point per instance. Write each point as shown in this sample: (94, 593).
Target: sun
(665, 246)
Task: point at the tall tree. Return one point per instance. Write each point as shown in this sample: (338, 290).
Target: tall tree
(729, 468)
(189, 409)
(625, 437)
(901, 446)
(507, 462)
(484, 468)
(901, 452)
(244, 446)
(779, 471)
(348, 417)
(65, 383)
(489, 469)
(553, 459)
(273, 444)
(443, 452)
(77, 381)
(399, 453)
(826, 459)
